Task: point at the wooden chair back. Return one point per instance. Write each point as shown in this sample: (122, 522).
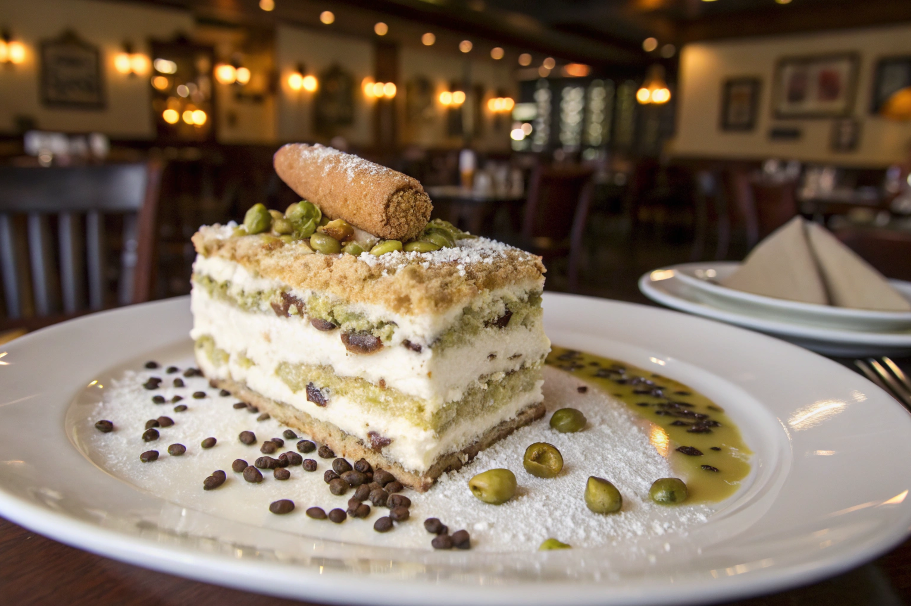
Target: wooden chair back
(44, 275)
(559, 198)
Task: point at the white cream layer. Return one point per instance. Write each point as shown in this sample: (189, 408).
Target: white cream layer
(414, 448)
(437, 377)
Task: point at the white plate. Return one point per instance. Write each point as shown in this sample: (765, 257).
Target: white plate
(666, 287)
(702, 277)
(827, 492)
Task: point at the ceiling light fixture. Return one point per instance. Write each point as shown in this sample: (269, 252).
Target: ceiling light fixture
(549, 63)
(649, 44)
(524, 59)
(327, 17)
(267, 5)
(465, 46)
(654, 89)
(496, 53)
(428, 39)
(381, 29)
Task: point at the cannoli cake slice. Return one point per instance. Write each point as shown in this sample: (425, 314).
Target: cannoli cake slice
(414, 355)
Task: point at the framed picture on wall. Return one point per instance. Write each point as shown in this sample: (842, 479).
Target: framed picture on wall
(892, 75)
(739, 103)
(815, 86)
(71, 73)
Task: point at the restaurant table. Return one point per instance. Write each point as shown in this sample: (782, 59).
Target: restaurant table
(473, 211)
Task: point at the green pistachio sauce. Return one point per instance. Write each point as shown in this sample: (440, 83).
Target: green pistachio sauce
(668, 410)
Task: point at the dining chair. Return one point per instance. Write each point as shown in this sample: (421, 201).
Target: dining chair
(555, 214)
(888, 250)
(56, 237)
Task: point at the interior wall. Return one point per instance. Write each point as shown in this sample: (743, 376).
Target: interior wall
(318, 52)
(106, 25)
(704, 66)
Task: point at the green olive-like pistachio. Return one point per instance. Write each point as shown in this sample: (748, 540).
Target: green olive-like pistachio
(353, 248)
(238, 232)
(444, 225)
(282, 226)
(269, 238)
(439, 238)
(421, 246)
(276, 215)
(304, 230)
(257, 219)
(386, 246)
(551, 544)
(338, 229)
(601, 496)
(303, 211)
(568, 420)
(543, 460)
(494, 486)
(323, 220)
(325, 244)
(286, 238)
(668, 491)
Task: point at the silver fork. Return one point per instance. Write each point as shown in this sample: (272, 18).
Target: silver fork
(888, 376)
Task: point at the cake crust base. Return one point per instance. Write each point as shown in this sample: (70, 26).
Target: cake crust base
(351, 447)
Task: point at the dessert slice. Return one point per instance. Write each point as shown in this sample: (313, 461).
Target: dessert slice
(412, 360)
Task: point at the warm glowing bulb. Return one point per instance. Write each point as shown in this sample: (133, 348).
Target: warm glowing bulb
(389, 90)
(428, 39)
(526, 128)
(139, 63)
(199, 117)
(508, 104)
(649, 44)
(367, 85)
(643, 95)
(458, 97)
(164, 66)
(225, 74)
(183, 90)
(446, 98)
(543, 71)
(295, 81)
(160, 82)
(517, 134)
(267, 5)
(492, 104)
(783, 1)
(188, 116)
(121, 62)
(327, 17)
(496, 53)
(16, 52)
(309, 83)
(170, 116)
(524, 59)
(243, 75)
(378, 89)
(465, 46)
(381, 29)
(662, 95)
(549, 63)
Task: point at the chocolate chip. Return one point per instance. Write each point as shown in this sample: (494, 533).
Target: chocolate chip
(180, 408)
(354, 478)
(149, 435)
(152, 384)
(361, 343)
(434, 526)
(377, 496)
(158, 400)
(399, 514)
(171, 370)
(398, 500)
(278, 442)
(252, 409)
(199, 395)
(175, 450)
(224, 393)
(309, 465)
(291, 457)
(315, 395)
(325, 452)
(363, 466)
(361, 511)
(263, 417)
(501, 322)
(395, 486)
(151, 365)
(362, 493)
(268, 447)
(104, 426)
(443, 541)
(239, 465)
(338, 516)
(383, 524)
(329, 476)
(209, 442)
(338, 486)
(149, 456)
(382, 477)
(281, 474)
(710, 468)
(412, 346)
(316, 513)
(165, 421)
(323, 325)
(247, 437)
(266, 463)
(306, 446)
(580, 389)
(252, 475)
(378, 442)
(690, 451)
(239, 405)
(176, 399)
(340, 466)
(178, 383)
(353, 503)
(461, 539)
(289, 435)
(282, 506)
(192, 372)
(214, 481)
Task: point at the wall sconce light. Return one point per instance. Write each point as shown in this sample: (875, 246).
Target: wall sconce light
(12, 52)
(298, 80)
(576, 70)
(128, 62)
(453, 98)
(232, 73)
(500, 104)
(378, 90)
(654, 90)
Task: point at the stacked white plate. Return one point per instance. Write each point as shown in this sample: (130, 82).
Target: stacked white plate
(834, 331)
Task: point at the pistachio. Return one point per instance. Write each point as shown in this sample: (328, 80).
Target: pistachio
(421, 246)
(303, 211)
(257, 219)
(439, 237)
(353, 248)
(668, 491)
(325, 244)
(601, 496)
(543, 460)
(494, 486)
(568, 420)
(338, 229)
(282, 226)
(551, 544)
(386, 246)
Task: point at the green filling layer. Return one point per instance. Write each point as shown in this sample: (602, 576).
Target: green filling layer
(526, 312)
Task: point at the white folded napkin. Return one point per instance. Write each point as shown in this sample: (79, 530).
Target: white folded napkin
(802, 261)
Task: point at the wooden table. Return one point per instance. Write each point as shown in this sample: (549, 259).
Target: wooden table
(471, 211)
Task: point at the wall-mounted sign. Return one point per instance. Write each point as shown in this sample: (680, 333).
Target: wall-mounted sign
(71, 73)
